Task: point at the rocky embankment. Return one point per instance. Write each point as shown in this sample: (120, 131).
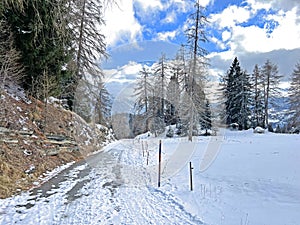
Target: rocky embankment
(36, 137)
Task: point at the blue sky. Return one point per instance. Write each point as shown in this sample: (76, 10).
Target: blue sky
(252, 30)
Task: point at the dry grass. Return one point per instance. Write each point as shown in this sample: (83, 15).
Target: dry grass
(13, 165)
(18, 115)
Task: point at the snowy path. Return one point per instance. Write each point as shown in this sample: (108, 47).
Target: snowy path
(240, 178)
(109, 188)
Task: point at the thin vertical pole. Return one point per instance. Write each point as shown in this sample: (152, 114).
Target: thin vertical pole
(159, 162)
(147, 158)
(191, 176)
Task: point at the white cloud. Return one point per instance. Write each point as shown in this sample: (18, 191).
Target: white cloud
(226, 35)
(218, 42)
(181, 5)
(280, 31)
(205, 3)
(255, 39)
(150, 4)
(272, 4)
(287, 34)
(121, 25)
(170, 18)
(131, 68)
(125, 74)
(230, 16)
(166, 36)
(225, 55)
(259, 4)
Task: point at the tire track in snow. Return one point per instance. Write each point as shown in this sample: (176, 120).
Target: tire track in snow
(152, 206)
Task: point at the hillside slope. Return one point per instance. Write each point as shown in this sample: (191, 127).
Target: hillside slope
(37, 137)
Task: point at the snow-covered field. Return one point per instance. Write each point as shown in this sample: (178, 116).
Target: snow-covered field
(239, 178)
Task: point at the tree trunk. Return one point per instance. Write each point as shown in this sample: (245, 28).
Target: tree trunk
(267, 100)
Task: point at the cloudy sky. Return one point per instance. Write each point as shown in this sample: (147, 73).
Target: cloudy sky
(139, 31)
(252, 30)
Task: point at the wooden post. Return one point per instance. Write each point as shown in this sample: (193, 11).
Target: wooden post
(191, 176)
(159, 162)
(147, 158)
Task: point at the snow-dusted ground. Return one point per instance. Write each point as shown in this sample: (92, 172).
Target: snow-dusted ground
(240, 178)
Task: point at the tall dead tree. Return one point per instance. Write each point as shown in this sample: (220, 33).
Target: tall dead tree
(198, 63)
(294, 97)
(271, 79)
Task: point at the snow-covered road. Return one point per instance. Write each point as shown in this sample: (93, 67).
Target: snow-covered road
(108, 188)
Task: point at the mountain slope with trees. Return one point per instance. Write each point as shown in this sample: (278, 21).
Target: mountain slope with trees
(35, 138)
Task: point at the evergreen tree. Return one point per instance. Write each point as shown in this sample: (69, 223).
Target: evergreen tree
(143, 91)
(184, 113)
(294, 97)
(230, 93)
(40, 38)
(271, 79)
(160, 74)
(144, 97)
(179, 67)
(15, 4)
(103, 105)
(172, 101)
(85, 19)
(206, 123)
(258, 98)
(244, 98)
(237, 95)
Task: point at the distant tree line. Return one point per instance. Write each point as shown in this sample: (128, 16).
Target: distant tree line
(172, 92)
(249, 98)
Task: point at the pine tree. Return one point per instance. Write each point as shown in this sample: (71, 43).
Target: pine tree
(294, 97)
(103, 105)
(271, 79)
(244, 98)
(184, 113)
(144, 97)
(40, 38)
(16, 4)
(86, 18)
(143, 91)
(172, 101)
(237, 96)
(206, 123)
(179, 68)
(160, 72)
(258, 98)
(230, 92)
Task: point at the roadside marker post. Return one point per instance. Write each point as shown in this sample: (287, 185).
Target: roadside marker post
(143, 147)
(159, 162)
(147, 158)
(191, 176)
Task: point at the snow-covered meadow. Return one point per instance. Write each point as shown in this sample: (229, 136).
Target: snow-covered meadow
(254, 179)
(239, 178)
